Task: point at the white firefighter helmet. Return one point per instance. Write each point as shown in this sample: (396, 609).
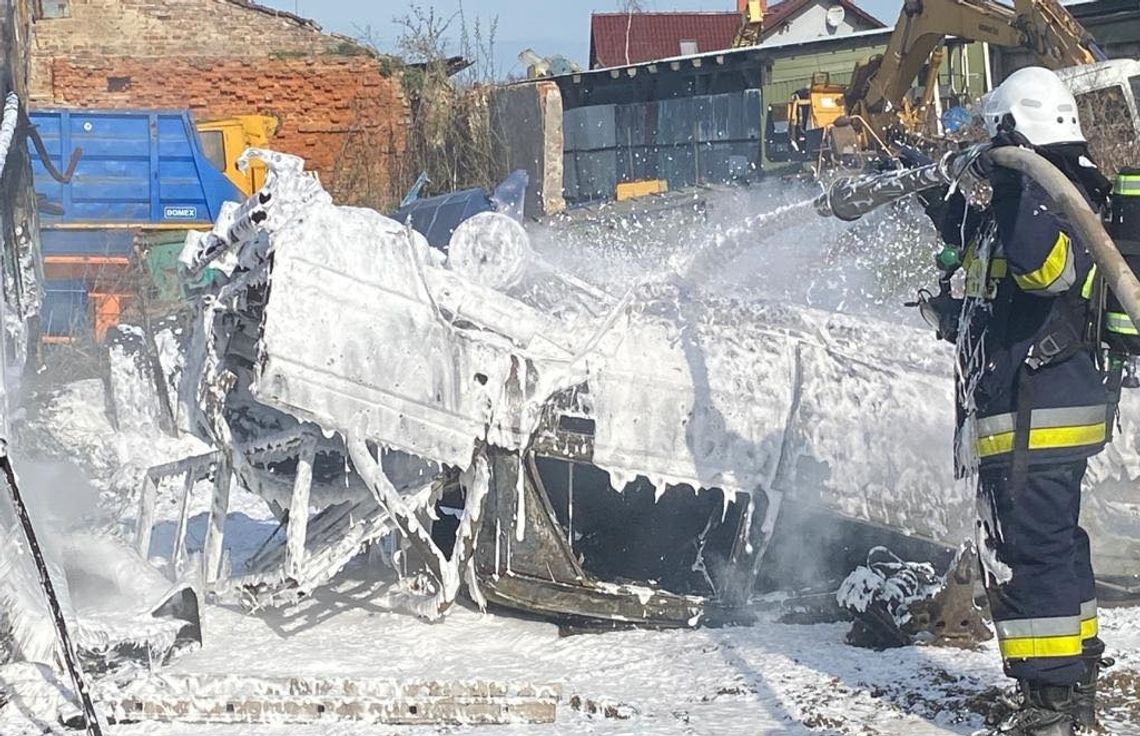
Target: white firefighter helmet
(1041, 106)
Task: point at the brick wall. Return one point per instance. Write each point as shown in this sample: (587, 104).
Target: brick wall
(334, 102)
(177, 28)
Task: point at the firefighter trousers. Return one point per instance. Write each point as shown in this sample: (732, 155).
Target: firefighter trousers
(1041, 588)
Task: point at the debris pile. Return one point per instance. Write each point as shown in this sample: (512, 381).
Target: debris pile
(897, 603)
(528, 397)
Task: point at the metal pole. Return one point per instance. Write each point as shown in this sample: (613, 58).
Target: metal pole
(297, 531)
(214, 549)
(964, 51)
(986, 63)
(67, 649)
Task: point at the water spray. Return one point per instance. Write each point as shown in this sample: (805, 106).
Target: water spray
(67, 651)
(850, 198)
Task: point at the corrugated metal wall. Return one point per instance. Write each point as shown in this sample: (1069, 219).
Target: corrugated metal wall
(685, 141)
(703, 139)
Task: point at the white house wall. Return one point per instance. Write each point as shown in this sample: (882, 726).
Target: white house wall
(811, 23)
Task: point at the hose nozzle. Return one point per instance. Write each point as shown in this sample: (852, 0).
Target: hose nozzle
(849, 198)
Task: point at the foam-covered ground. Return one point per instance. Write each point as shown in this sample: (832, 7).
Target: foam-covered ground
(769, 678)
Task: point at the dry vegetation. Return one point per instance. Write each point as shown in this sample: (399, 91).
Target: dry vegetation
(450, 136)
(1106, 122)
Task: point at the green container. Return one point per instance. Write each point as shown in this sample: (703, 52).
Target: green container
(170, 279)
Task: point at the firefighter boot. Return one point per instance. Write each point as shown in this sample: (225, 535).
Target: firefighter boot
(1046, 710)
(1095, 661)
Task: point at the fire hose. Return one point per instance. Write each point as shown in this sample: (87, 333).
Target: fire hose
(850, 198)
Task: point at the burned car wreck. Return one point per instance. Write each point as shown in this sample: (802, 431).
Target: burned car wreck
(517, 432)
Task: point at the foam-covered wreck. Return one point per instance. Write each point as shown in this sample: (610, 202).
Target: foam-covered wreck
(549, 446)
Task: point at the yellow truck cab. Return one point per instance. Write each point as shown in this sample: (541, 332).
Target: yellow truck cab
(224, 140)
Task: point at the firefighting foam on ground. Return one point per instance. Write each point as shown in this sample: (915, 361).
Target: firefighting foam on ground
(773, 420)
(550, 341)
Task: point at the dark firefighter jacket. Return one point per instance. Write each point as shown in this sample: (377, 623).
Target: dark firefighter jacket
(1032, 301)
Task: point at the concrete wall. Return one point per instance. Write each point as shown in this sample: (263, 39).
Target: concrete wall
(527, 119)
(219, 58)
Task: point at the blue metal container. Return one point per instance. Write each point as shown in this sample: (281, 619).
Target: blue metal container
(143, 168)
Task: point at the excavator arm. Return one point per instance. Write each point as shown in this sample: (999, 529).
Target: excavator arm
(1043, 27)
(751, 22)
(1054, 35)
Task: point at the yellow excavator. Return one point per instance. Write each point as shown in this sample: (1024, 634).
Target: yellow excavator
(876, 107)
(752, 22)
(224, 141)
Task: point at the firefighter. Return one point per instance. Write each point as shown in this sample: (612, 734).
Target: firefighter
(1033, 407)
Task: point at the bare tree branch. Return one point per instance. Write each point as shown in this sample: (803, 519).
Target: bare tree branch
(450, 135)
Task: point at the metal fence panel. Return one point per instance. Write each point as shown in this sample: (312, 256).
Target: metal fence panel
(596, 174)
(685, 141)
(590, 128)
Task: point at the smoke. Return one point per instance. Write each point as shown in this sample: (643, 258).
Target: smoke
(57, 494)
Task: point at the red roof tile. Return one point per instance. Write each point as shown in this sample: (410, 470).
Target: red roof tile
(653, 36)
(620, 39)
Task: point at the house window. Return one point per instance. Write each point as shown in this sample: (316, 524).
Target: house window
(51, 9)
(689, 47)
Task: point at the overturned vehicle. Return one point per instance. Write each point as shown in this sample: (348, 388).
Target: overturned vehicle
(514, 430)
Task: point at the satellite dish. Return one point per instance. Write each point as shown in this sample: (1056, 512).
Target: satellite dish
(835, 16)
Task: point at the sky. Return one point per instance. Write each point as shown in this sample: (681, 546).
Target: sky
(547, 26)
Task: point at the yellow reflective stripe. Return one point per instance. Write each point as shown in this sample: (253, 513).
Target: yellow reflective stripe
(1048, 438)
(1028, 638)
(1086, 290)
(982, 278)
(1127, 185)
(1041, 646)
(1120, 323)
(1090, 626)
(1056, 264)
(1061, 416)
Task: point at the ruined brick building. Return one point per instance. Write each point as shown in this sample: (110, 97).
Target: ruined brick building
(337, 104)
